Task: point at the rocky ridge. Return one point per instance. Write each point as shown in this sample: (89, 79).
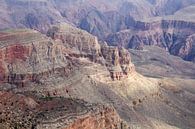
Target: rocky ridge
(49, 113)
(174, 36)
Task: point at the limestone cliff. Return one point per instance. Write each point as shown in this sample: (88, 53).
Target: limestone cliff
(82, 44)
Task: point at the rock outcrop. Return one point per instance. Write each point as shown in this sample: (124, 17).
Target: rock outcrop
(118, 62)
(50, 113)
(27, 55)
(82, 44)
(57, 75)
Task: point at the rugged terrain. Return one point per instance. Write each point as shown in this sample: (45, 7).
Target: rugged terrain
(138, 72)
(64, 79)
(32, 60)
(24, 110)
(128, 23)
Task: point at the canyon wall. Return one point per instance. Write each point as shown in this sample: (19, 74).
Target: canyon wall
(117, 60)
(149, 22)
(27, 55)
(174, 36)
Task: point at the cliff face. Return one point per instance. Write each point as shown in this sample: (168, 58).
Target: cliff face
(28, 55)
(82, 44)
(173, 36)
(103, 18)
(118, 62)
(187, 50)
(49, 74)
(97, 17)
(29, 58)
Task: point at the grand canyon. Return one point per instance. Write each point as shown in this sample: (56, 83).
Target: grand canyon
(97, 64)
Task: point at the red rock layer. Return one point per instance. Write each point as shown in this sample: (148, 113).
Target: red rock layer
(23, 111)
(104, 119)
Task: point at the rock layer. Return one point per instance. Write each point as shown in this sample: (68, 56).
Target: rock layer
(174, 36)
(117, 60)
(49, 113)
(103, 18)
(28, 55)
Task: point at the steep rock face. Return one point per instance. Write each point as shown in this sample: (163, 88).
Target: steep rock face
(93, 16)
(103, 18)
(27, 55)
(187, 51)
(98, 17)
(81, 43)
(118, 62)
(173, 36)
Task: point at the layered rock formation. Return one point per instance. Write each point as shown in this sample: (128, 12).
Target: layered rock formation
(82, 44)
(43, 78)
(65, 71)
(97, 17)
(21, 111)
(173, 36)
(27, 55)
(31, 58)
(118, 62)
(107, 18)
